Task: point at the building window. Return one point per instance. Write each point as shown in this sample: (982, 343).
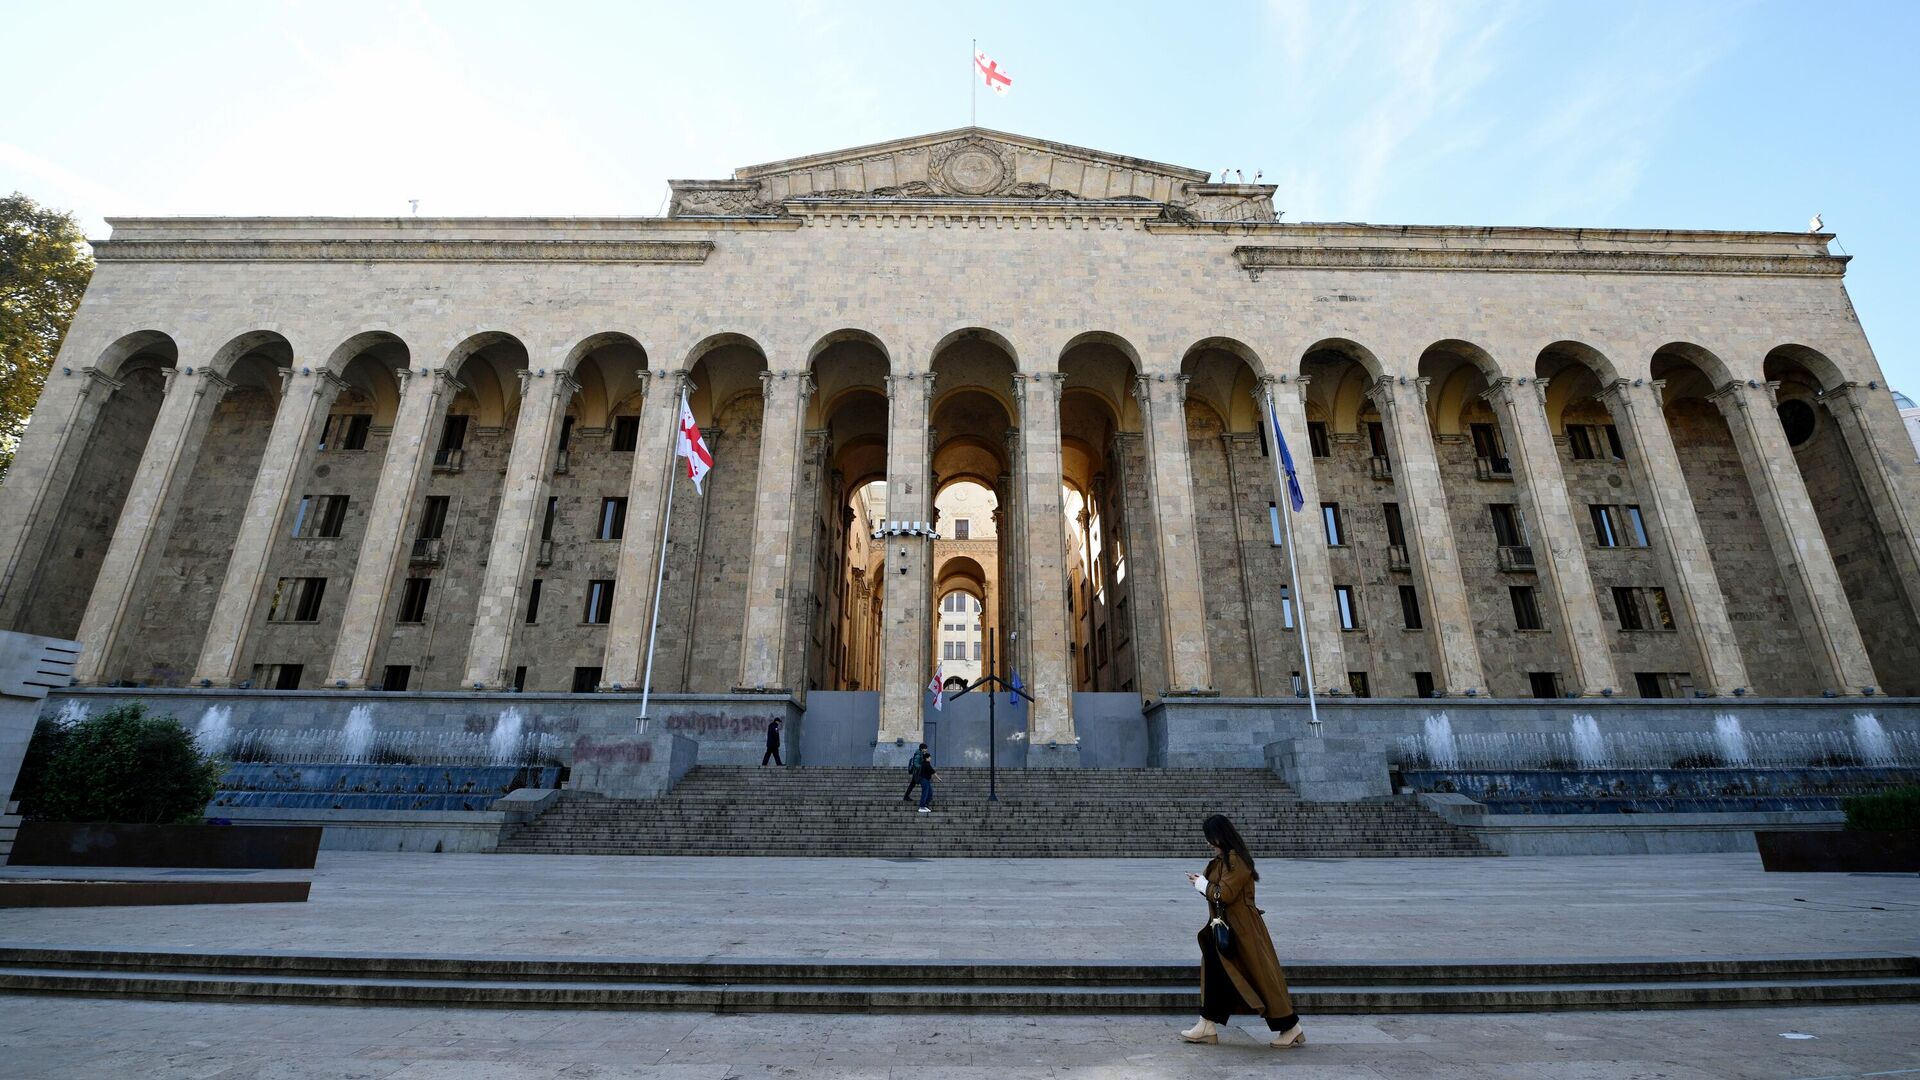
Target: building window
(1526, 611)
(1580, 442)
(962, 529)
(1618, 526)
(976, 646)
(586, 680)
(320, 517)
(1377, 438)
(433, 518)
(413, 600)
(626, 434)
(1317, 438)
(1409, 607)
(1423, 684)
(1357, 682)
(1613, 442)
(533, 602)
(1507, 528)
(297, 599)
(454, 435)
(1603, 526)
(1099, 646)
(397, 677)
(1648, 684)
(1396, 530)
(553, 511)
(599, 601)
(1642, 608)
(613, 519)
(1638, 525)
(1273, 522)
(277, 676)
(1486, 441)
(1330, 513)
(520, 679)
(1544, 684)
(1349, 608)
(345, 432)
(1286, 606)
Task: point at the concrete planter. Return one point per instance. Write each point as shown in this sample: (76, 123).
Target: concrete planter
(252, 847)
(1839, 852)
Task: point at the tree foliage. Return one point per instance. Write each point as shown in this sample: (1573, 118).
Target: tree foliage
(122, 766)
(44, 268)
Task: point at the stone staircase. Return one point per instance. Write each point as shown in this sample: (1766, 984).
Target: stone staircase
(1040, 813)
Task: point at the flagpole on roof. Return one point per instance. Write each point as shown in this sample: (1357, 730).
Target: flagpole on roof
(660, 569)
(1293, 564)
(973, 91)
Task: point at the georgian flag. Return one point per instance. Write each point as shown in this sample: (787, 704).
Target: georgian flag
(692, 446)
(997, 81)
(938, 685)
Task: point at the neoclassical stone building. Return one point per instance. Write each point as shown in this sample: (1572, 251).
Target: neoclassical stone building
(434, 454)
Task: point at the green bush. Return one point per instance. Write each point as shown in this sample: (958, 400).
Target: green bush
(122, 766)
(1894, 810)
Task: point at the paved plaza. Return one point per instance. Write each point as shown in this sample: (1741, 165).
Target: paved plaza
(1027, 909)
(68, 1039)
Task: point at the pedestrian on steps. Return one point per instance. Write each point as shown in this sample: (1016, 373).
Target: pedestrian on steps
(913, 773)
(926, 775)
(773, 744)
(1241, 974)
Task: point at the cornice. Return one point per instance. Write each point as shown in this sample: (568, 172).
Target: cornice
(1256, 259)
(690, 252)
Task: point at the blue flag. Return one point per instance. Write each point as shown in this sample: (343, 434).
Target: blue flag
(1294, 494)
(1015, 697)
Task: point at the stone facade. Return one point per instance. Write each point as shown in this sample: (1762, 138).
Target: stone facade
(1559, 461)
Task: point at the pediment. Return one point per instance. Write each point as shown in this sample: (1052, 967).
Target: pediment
(964, 164)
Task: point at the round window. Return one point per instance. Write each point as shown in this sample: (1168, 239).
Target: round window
(1796, 417)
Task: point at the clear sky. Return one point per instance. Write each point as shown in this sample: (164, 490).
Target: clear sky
(1681, 114)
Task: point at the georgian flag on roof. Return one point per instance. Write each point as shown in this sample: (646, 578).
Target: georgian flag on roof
(997, 81)
(692, 446)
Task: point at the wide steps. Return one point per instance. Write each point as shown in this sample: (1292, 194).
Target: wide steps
(855, 812)
(948, 986)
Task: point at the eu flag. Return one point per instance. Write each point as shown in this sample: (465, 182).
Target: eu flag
(1294, 494)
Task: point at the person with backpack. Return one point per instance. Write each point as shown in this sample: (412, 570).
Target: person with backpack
(920, 771)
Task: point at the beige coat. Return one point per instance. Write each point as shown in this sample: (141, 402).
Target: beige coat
(1253, 966)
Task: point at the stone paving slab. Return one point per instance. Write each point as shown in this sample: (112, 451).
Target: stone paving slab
(1029, 909)
(68, 1039)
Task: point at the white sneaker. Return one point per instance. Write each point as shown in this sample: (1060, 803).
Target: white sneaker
(926, 810)
(1202, 1032)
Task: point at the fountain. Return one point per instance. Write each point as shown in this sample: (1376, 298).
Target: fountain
(71, 712)
(1442, 753)
(215, 730)
(1870, 740)
(356, 739)
(1589, 746)
(505, 744)
(1731, 741)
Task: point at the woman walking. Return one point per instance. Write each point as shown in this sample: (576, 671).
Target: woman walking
(1239, 971)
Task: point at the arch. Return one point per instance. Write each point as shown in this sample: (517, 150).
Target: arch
(1782, 359)
(486, 364)
(973, 362)
(250, 359)
(364, 342)
(1222, 374)
(971, 459)
(715, 342)
(849, 334)
(1341, 372)
(1101, 337)
(366, 363)
(607, 367)
(1329, 349)
(1672, 359)
(1458, 373)
(1576, 374)
(960, 568)
(145, 345)
(1226, 345)
(595, 342)
(724, 368)
(1100, 368)
(970, 333)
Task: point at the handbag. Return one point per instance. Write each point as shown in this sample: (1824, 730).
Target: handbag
(1222, 933)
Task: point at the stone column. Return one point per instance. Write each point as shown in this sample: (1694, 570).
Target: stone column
(1678, 543)
(1402, 402)
(40, 476)
(383, 552)
(1313, 602)
(1043, 525)
(655, 468)
(1806, 565)
(146, 517)
(516, 530)
(306, 396)
(1563, 564)
(904, 667)
(1883, 459)
(1170, 488)
(765, 634)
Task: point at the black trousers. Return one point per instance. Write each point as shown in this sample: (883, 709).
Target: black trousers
(1218, 998)
(774, 753)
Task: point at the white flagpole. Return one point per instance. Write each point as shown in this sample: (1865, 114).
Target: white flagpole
(973, 85)
(660, 571)
(1293, 564)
